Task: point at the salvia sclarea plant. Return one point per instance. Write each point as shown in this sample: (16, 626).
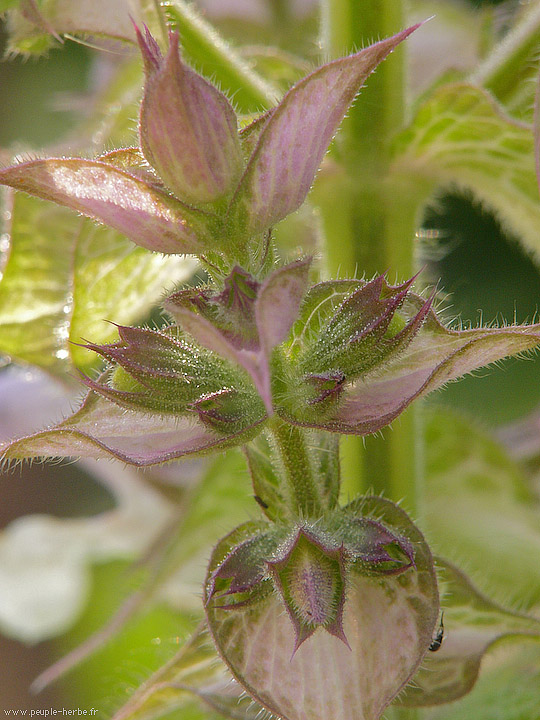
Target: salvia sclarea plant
(326, 603)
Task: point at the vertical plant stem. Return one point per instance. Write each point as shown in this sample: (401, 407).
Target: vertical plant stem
(377, 216)
(362, 150)
(348, 25)
(293, 452)
(215, 57)
(498, 71)
(392, 465)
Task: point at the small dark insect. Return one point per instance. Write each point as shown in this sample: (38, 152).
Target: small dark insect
(261, 502)
(437, 640)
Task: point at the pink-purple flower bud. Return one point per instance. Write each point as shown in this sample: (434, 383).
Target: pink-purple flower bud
(188, 128)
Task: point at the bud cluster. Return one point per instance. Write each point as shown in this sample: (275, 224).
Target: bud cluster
(232, 359)
(308, 566)
(161, 372)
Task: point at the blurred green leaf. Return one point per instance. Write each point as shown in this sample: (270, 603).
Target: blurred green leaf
(144, 643)
(8, 4)
(473, 624)
(173, 571)
(114, 280)
(41, 99)
(508, 688)
(281, 68)
(461, 136)
(31, 24)
(195, 670)
(478, 511)
(56, 293)
(113, 123)
(37, 24)
(220, 502)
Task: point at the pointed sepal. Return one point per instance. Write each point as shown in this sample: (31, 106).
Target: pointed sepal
(243, 569)
(311, 581)
(366, 331)
(160, 371)
(361, 353)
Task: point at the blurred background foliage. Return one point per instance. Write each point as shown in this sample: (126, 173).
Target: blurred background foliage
(483, 274)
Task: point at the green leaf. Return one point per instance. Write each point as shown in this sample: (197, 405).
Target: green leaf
(35, 26)
(174, 568)
(65, 276)
(461, 136)
(111, 125)
(140, 647)
(222, 500)
(195, 670)
(281, 67)
(34, 288)
(478, 508)
(38, 22)
(116, 281)
(8, 4)
(473, 624)
(507, 689)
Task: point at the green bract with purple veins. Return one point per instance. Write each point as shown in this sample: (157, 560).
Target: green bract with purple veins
(198, 184)
(353, 594)
(308, 566)
(262, 357)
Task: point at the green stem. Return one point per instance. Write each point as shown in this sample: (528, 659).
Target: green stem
(500, 69)
(391, 461)
(281, 11)
(374, 241)
(348, 25)
(214, 57)
(370, 216)
(302, 489)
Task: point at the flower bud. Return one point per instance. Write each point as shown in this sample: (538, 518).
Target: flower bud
(160, 371)
(365, 331)
(360, 597)
(188, 128)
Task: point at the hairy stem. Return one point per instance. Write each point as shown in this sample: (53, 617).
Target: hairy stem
(498, 71)
(293, 452)
(370, 217)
